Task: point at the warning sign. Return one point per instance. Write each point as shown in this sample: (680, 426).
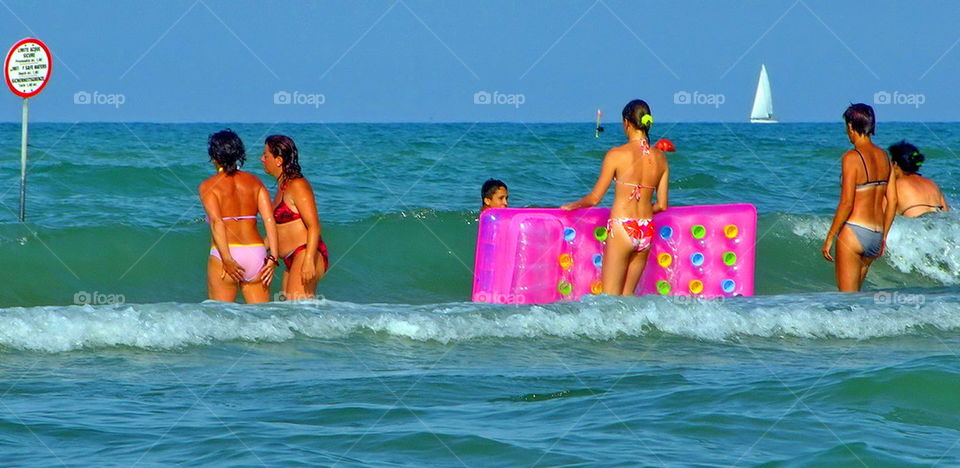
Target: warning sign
(27, 67)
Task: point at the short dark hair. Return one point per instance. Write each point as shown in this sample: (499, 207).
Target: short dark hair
(226, 148)
(490, 187)
(634, 112)
(861, 118)
(907, 156)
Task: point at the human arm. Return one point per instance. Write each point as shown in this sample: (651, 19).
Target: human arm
(662, 192)
(607, 171)
(265, 208)
(845, 206)
(303, 199)
(893, 201)
(218, 231)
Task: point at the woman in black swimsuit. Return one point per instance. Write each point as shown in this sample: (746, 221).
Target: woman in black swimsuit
(861, 222)
(916, 194)
(298, 226)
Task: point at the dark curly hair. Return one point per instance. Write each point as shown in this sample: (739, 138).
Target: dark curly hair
(226, 148)
(284, 147)
(907, 156)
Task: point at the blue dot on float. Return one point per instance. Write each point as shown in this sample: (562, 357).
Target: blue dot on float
(666, 232)
(569, 234)
(696, 259)
(597, 260)
(728, 285)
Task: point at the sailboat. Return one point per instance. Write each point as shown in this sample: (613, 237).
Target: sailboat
(763, 102)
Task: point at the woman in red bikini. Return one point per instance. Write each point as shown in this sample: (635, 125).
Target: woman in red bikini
(298, 225)
(638, 170)
(232, 198)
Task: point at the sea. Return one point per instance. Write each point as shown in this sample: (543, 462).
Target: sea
(111, 355)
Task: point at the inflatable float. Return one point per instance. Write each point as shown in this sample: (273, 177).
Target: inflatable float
(540, 255)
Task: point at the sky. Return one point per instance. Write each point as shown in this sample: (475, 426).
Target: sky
(433, 61)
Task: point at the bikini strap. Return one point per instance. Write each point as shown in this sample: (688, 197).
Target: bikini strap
(866, 172)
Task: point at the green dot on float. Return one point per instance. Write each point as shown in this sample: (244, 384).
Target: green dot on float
(663, 287)
(729, 258)
(698, 231)
(600, 233)
(564, 288)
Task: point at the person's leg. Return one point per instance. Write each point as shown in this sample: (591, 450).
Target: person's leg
(255, 292)
(616, 252)
(638, 260)
(219, 289)
(294, 289)
(849, 262)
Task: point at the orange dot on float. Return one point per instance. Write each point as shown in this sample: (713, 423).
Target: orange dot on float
(566, 261)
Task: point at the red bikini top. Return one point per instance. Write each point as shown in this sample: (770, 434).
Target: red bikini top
(282, 214)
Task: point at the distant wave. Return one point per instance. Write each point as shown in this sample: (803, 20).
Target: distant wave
(171, 325)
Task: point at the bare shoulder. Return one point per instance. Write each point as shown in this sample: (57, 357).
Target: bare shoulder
(248, 178)
(298, 185)
(207, 184)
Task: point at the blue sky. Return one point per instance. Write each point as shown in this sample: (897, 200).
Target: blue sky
(423, 61)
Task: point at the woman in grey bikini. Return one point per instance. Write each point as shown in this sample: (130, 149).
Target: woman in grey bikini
(868, 200)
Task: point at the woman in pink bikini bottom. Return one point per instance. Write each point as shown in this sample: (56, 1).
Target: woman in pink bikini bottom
(638, 171)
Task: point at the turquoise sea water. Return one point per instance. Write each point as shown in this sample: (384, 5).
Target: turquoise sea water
(109, 354)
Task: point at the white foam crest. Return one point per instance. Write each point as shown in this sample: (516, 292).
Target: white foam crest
(172, 326)
(928, 245)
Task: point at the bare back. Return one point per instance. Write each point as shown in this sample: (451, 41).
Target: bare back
(918, 195)
(236, 195)
(869, 170)
(637, 171)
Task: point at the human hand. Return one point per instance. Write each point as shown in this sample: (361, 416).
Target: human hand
(826, 249)
(267, 271)
(569, 206)
(308, 271)
(233, 269)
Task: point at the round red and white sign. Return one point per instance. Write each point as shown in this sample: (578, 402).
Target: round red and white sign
(27, 67)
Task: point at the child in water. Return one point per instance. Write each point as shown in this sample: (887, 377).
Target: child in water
(493, 194)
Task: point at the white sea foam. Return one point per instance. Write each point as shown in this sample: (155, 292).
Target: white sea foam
(172, 326)
(928, 246)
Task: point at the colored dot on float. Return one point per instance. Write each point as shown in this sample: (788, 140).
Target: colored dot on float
(569, 234)
(697, 259)
(596, 287)
(666, 232)
(564, 287)
(729, 258)
(731, 231)
(566, 261)
(664, 259)
(698, 231)
(600, 233)
(728, 285)
(597, 260)
(696, 286)
(663, 287)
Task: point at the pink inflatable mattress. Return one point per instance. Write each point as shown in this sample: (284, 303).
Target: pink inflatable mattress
(539, 255)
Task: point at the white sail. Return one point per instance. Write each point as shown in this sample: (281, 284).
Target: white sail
(763, 101)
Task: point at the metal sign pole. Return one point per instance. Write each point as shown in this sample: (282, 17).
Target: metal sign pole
(23, 161)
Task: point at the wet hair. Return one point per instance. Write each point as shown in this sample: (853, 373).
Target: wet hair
(634, 113)
(284, 147)
(861, 118)
(490, 187)
(907, 156)
(226, 149)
